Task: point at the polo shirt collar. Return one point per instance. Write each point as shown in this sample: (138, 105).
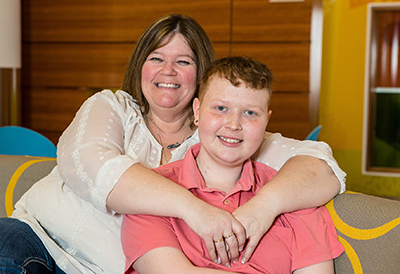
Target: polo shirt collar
(192, 178)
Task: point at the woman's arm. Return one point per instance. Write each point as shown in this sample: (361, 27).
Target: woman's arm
(155, 195)
(168, 260)
(303, 181)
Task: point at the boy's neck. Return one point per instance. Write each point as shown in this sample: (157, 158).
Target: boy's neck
(219, 176)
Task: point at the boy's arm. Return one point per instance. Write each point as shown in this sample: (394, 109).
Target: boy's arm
(168, 260)
(324, 267)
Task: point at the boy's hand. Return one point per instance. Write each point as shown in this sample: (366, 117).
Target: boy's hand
(215, 227)
(256, 218)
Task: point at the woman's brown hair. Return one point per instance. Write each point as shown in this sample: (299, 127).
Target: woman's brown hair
(153, 37)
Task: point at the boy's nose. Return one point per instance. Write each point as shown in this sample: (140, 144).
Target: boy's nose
(233, 122)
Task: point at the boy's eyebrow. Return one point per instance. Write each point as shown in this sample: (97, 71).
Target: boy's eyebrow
(216, 101)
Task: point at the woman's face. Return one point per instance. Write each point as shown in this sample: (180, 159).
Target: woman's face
(169, 75)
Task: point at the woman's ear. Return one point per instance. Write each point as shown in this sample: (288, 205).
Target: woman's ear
(196, 109)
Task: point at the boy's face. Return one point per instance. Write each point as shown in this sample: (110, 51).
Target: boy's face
(231, 121)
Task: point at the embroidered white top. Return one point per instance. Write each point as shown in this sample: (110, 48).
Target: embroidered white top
(67, 208)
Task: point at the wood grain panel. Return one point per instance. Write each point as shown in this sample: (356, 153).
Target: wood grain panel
(255, 20)
(50, 110)
(221, 49)
(75, 65)
(54, 73)
(290, 115)
(80, 65)
(115, 21)
(74, 47)
(289, 62)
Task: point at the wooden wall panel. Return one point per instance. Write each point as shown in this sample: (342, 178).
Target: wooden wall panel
(261, 21)
(115, 21)
(50, 110)
(75, 64)
(72, 48)
(289, 62)
(55, 74)
(290, 115)
(81, 64)
(221, 49)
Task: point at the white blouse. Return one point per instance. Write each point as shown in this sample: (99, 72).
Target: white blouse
(67, 208)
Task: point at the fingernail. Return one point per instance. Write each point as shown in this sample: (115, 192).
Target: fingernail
(235, 261)
(219, 260)
(227, 265)
(243, 260)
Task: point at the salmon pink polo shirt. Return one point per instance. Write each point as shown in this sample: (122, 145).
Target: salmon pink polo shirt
(295, 240)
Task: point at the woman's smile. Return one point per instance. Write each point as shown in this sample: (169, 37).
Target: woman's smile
(167, 85)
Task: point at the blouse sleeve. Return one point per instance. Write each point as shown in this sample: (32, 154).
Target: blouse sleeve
(276, 150)
(91, 153)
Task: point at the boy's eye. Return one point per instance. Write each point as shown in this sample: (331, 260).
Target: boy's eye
(250, 113)
(221, 108)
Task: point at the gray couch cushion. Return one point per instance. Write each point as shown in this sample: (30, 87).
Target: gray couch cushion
(369, 229)
(18, 173)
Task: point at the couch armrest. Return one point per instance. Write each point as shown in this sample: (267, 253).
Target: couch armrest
(368, 228)
(18, 174)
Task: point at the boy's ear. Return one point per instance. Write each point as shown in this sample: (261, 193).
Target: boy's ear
(196, 109)
(269, 117)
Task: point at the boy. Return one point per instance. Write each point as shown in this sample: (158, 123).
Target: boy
(231, 114)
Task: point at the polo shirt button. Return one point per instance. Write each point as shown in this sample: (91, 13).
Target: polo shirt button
(226, 202)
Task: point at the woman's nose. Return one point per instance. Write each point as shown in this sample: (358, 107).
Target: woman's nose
(169, 69)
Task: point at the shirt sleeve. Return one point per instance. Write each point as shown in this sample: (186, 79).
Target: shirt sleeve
(90, 154)
(314, 237)
(276, 150)
(142, 233)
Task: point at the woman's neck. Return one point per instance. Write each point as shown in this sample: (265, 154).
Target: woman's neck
(169, 124)
(169, 132)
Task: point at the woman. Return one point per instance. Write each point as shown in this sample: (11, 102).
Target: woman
(105, 154)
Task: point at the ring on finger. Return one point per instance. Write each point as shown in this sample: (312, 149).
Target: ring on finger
(230, 235)
(220, 240)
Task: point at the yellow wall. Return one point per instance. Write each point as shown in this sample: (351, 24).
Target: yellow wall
(342, 93)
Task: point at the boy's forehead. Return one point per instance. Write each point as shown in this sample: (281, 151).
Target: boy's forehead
(214, 84)
(216, 81)
(219, 88)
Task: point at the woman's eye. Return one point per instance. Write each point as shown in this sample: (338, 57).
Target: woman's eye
(155, 59)
(183, 62)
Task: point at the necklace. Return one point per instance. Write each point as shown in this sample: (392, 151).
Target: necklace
(171, 146)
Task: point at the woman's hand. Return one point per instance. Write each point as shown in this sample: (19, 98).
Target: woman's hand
(223, 235)
(256, 217)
